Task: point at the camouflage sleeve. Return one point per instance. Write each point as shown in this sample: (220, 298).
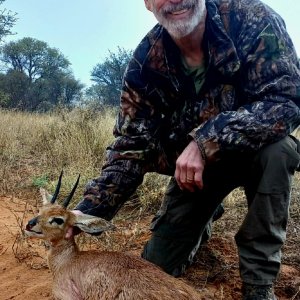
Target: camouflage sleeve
(269, 80)
(127, 158)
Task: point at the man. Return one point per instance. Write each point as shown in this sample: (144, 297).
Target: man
(210, 98)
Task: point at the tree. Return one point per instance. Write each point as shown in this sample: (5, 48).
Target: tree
(46, 77)
(14, 85)
(108, 77)
(7, 21)
(33, 57)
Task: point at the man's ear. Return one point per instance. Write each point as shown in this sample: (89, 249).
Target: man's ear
(148, 5)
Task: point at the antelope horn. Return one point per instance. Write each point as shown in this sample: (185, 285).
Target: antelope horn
(68, 199)
(57, 188)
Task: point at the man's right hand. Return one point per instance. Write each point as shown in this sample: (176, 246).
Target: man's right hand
(189, 168)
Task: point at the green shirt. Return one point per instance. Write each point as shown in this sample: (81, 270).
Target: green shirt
(197, 73)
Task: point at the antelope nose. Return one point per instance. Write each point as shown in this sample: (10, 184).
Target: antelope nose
(31, 223)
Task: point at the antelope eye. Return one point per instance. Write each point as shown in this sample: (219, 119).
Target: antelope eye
(58, 221)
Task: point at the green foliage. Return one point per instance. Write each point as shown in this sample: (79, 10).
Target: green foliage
(40, 181)
(108, 77)
(4, 99)
(37, 77)
(7, 21)
(26, 56)
(15, 85)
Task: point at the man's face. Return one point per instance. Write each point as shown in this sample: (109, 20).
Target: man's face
(178, 17)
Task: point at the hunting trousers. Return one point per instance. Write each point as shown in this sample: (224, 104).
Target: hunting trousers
(184, 219)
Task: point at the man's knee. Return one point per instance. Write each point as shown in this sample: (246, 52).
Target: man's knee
(170, 255)
(277, 162)
(173, 247)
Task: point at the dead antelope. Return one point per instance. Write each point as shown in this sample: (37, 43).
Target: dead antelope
(83, 275)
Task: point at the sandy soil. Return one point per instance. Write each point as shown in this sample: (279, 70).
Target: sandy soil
(18, 280)
(24, 274)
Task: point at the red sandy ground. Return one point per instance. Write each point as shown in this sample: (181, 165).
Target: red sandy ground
(24, 274)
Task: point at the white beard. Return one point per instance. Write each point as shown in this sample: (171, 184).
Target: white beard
(181, 28)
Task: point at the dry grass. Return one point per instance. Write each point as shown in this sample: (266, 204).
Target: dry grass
(34, 148)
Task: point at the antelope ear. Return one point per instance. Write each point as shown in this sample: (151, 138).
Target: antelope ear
(92, 224)
(46, 197)
(148, 5)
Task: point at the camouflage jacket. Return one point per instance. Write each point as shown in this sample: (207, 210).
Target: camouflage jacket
(250, 97)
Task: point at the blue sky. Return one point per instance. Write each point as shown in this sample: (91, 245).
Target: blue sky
(84, 30)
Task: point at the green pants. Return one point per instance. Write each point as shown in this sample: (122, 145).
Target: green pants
(184, 218)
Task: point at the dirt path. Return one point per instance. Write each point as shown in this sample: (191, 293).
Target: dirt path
(215, 273)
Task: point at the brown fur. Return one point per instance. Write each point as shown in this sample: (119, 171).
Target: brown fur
(91, 275)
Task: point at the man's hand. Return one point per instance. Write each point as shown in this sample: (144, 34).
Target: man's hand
(189, 168)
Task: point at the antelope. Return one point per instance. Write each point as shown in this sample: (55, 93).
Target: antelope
(95, 274)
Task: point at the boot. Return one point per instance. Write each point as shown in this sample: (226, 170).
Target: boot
(258, 292)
